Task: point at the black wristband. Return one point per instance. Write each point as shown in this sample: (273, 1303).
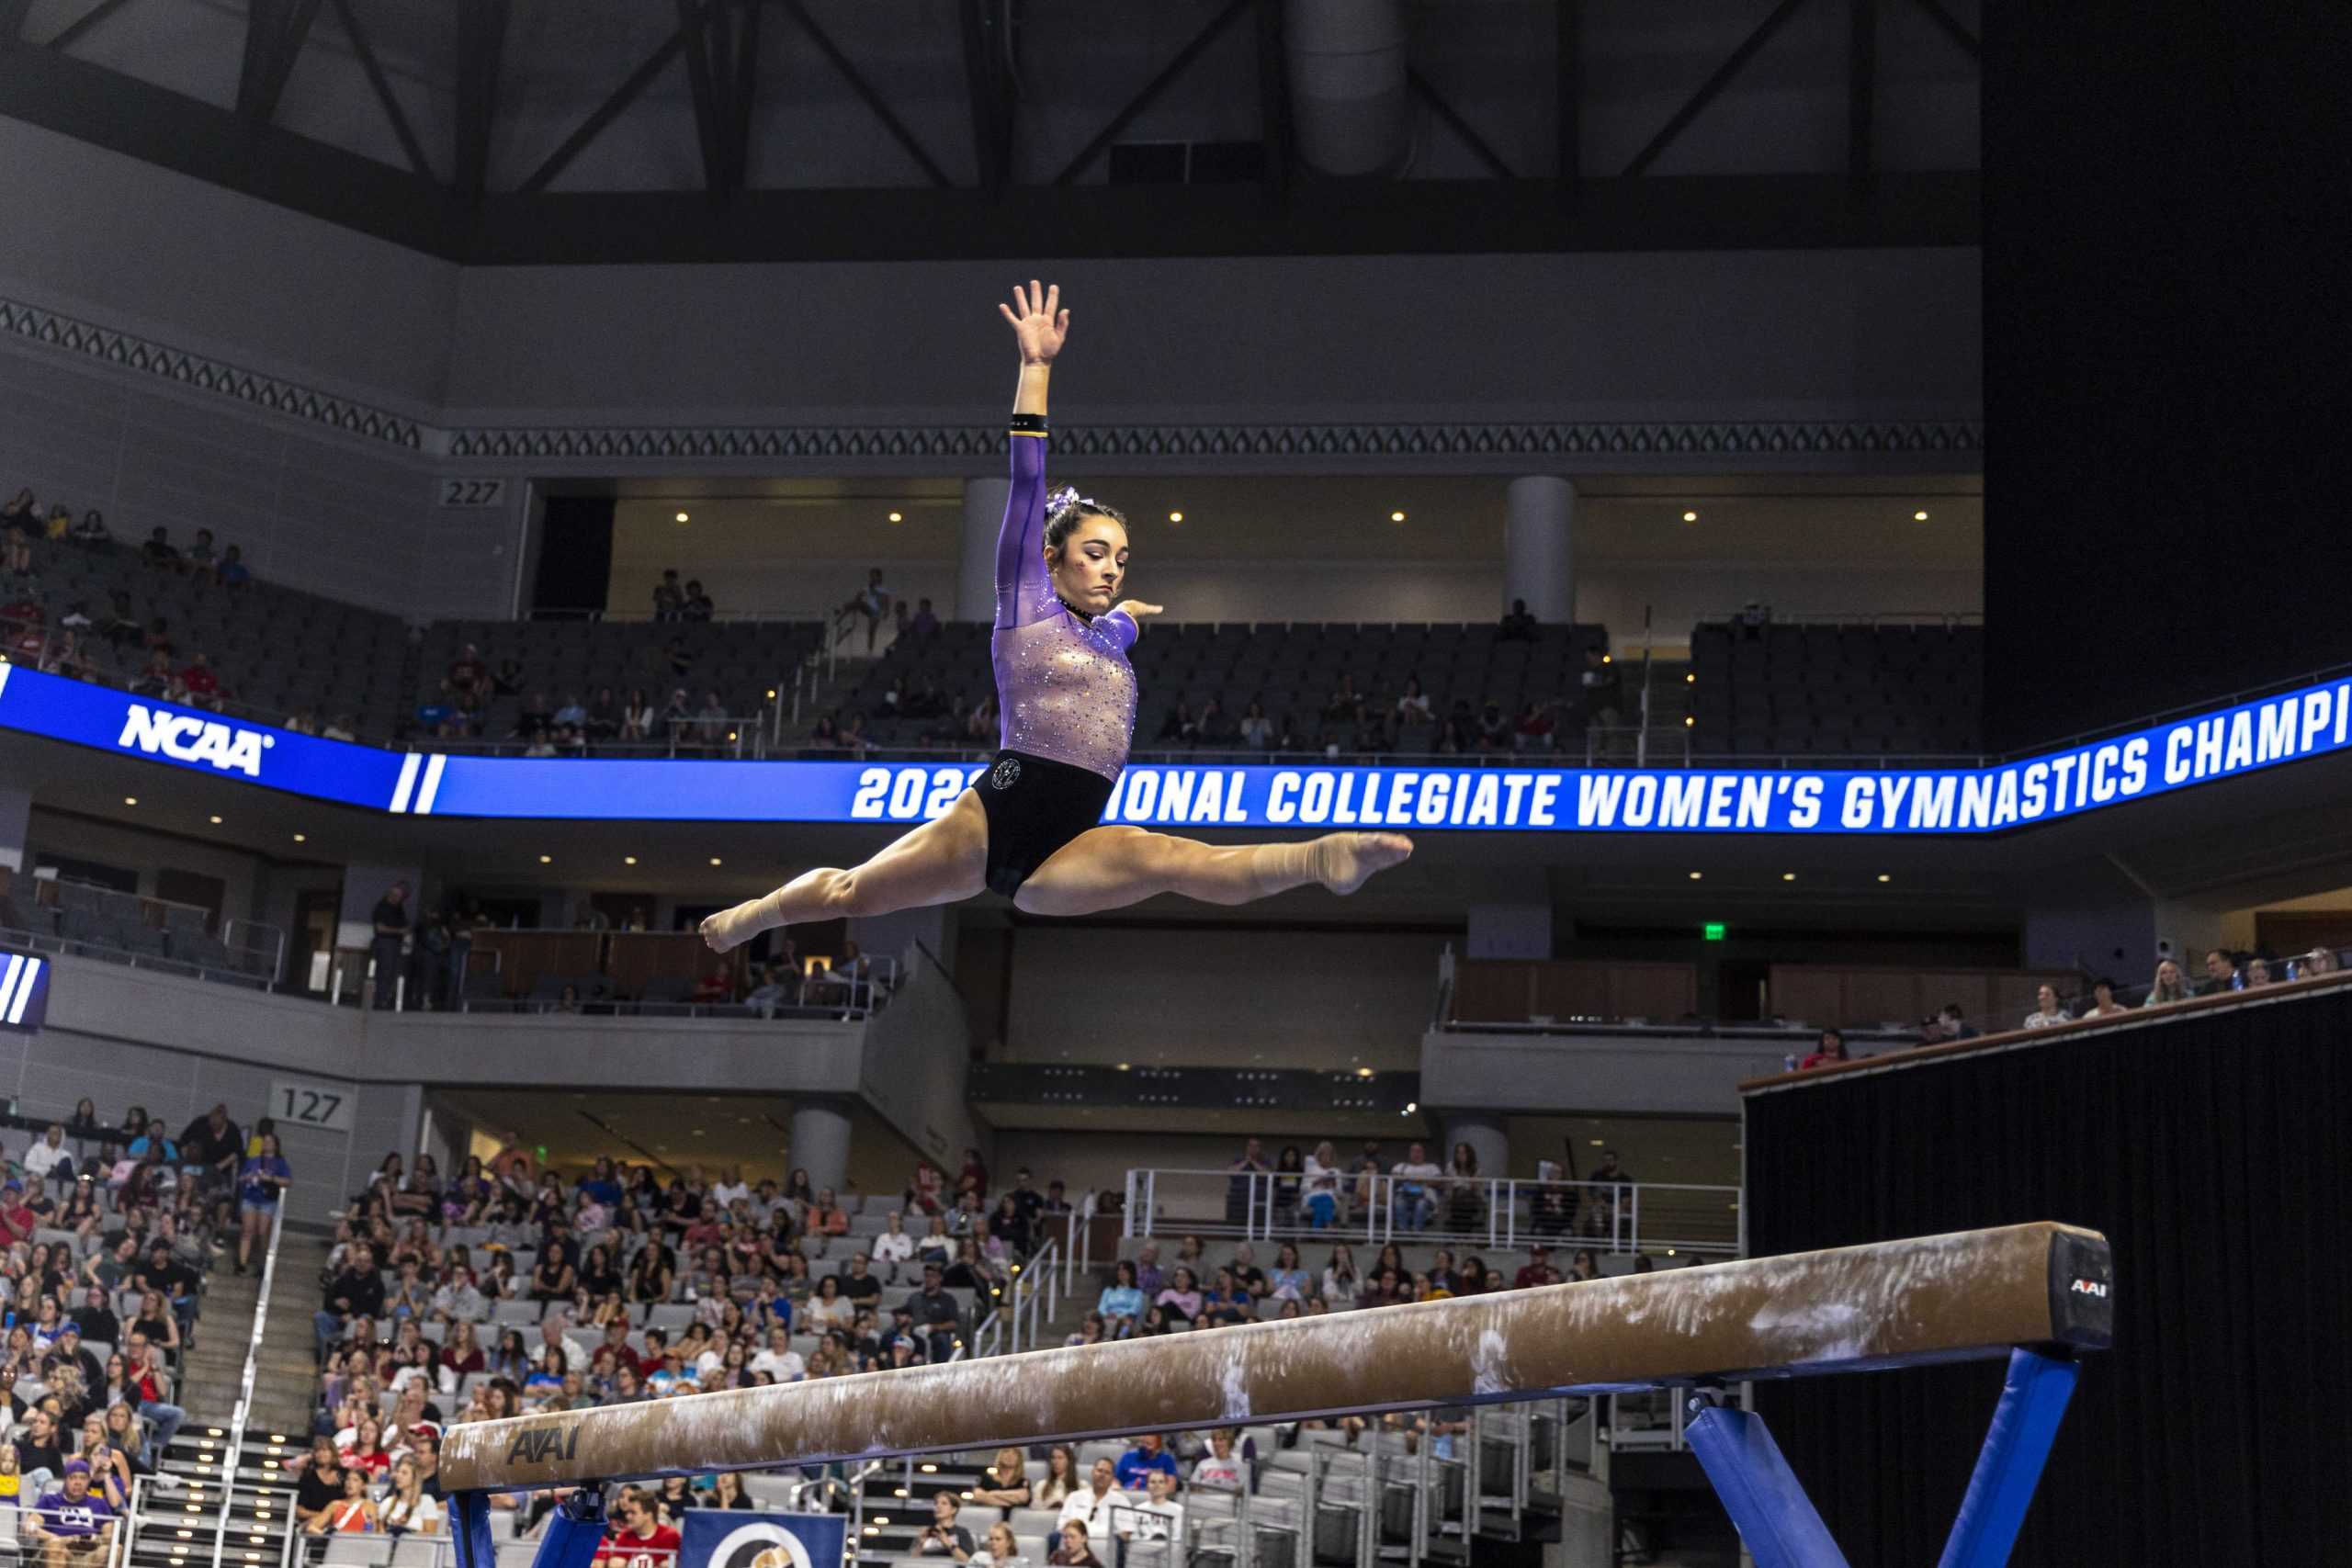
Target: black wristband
(1028, 424)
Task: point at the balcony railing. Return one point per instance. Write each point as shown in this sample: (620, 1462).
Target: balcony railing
(1492, 1213)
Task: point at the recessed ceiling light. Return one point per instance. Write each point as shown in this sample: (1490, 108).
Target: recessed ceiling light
(546, 860)
(1691, 679)
(714, 860)
(1697, 874)
(1175, 517)
(1395, 517)
(216, 821)
(1787, 876)
(1688, 721)
(301, 837)
(682, 517)
(1690, 517)
(1919, 516)
(898, 517)
(1363, 1072)
(1597, 1144)
(629, 860)
(1411, 1106)
(1883, 877)
(131, 800)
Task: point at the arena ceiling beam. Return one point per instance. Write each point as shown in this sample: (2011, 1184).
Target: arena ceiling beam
(1953, 29)
(1862, 94)
(867, 94)
(989, 82)
(532, 225)
(482, 42)
(274, 32)
(1567, 73)
(1712, 88)
(72, 33)
(365, 48)
(1965, 1296)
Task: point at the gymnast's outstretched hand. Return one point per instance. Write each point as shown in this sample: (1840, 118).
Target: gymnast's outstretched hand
(1137, 610)
(1039, 324)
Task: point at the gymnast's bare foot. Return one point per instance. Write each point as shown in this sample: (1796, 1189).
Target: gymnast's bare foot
(732, 928)
(1343, 861)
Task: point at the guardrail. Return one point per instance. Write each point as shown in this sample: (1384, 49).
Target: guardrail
(235, 1451)
(1492, 1214)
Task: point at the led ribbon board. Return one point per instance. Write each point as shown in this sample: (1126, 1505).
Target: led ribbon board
(2226, 743)
(23, 991)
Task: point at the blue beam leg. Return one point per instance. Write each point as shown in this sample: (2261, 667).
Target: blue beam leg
(574, 1530)
(2033, 1401)
(470, 1529)
(1775, 1519)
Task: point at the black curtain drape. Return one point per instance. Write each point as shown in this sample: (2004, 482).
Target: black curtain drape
(2214, 1149)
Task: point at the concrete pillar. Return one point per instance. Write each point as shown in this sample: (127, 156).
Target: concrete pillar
(1539, 524)
(984, 503)
(820, 1141)
(1485, 1136)
(15, 822)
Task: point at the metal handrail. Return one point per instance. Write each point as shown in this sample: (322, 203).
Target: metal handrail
(1498, 1205)
(44, 942)
(235, 1449)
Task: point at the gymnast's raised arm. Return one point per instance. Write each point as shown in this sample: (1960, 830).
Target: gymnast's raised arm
(1040, 326)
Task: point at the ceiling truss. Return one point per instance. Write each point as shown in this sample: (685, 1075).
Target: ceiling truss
(448, 205)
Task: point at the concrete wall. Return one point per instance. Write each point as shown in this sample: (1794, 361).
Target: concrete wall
(1739, 335)
(1723, 335)
(1649, 1075)
(1108, 994)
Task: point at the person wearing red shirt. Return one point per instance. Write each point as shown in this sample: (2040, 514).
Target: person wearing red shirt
(1538, 1270)
(1831, 1051)
(639, 1540)
(18, 1222)
(198, 678)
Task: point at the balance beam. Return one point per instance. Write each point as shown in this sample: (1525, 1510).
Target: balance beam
(1970, 1295)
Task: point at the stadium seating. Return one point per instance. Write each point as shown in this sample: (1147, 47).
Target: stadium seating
(1828, 689)
(1292, 670)
(276, 651)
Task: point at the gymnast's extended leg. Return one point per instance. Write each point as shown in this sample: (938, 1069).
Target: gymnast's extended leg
(1109, 868)
(942, 860)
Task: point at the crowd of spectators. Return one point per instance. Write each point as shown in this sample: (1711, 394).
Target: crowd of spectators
(106, 1233)
(673, 601)
(2222, 972)
(509, 1288)
(118, 645)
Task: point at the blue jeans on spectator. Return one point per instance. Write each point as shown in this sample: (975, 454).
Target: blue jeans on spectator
(1414, 1206)
(329, 1328)
(167, 1419)
(1320, 1208)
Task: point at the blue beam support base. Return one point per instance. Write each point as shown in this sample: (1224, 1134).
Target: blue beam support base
(1778, 1521)
(1763, 1497)
(574, 1530)
(2033, 1401)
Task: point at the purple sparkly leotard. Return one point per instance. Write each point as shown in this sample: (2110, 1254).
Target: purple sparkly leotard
(1063, 688)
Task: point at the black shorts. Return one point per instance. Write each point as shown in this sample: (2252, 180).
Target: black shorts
(1034, 806)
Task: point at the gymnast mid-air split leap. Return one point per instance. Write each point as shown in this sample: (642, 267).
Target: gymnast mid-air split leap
(1030, 826)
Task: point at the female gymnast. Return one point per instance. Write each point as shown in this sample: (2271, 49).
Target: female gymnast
(1029, 827)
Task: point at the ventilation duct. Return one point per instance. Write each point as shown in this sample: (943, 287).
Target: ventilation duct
(1347, 85)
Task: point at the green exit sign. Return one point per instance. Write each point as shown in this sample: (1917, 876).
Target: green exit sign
(1712, 930)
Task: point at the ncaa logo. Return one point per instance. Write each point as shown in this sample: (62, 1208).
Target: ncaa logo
(1006, 773)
